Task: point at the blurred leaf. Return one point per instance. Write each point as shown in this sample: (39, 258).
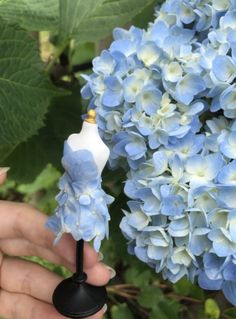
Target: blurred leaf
(230, 312)
(6, 187)
(33, 15)
(116, 213)
(62, 271)
(30, 158)
(158, 313)
(46, 179)
(73, 12)
(83, 53)
(150, 296)
(183, 287)
(25, 89)
(170, 308)
(147, 15)
(138, 277)
(121, 311)
(212, 309)
(197, 293)
(108, 15)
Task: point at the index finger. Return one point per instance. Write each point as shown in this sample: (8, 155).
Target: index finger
(19, 220)
(3, 174)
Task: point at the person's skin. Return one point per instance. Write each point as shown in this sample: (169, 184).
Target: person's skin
(25, 287)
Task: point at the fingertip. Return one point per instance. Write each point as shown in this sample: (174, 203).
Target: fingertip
(3, 174)
(100, 274)
(90, 255)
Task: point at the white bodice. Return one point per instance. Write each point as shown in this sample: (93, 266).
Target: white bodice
(89, 139)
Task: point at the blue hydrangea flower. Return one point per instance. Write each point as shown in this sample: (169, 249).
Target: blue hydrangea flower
(166, 104)
(82, 204)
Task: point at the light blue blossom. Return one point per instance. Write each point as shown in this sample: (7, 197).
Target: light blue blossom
(172, 205)
(166, 106)
(228, 145)
(188, 87)
(227, 101)
(203, 170)
(227, 175)
(224, 68)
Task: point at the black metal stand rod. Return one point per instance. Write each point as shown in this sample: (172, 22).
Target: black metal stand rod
(80, 259)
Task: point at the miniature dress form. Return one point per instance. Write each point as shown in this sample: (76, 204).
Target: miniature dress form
(82, 203)
(82, 211)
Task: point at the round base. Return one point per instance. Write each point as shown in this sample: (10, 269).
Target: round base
(75, 299)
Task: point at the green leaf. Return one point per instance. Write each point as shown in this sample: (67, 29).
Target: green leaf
(46, 179)
(212, 309)
(73, 12)
(121, 311)
(230, 312)
(184, 287)
(170, 308)
(82, 54)
(137, 277)
(157, 314)
(25, 90)
(145, 17)
(31, 157)
(150, 297)
(33, 15)
(108, 15)
(166, 309)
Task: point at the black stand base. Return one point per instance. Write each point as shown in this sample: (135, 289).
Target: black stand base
(74, 298)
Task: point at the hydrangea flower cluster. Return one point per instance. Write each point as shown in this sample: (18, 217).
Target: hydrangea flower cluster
(166, 104)
(82, 204)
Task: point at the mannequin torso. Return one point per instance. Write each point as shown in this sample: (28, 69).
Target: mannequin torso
(89, 139)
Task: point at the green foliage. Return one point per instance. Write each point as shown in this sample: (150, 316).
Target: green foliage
(84, 20)
(25, 89)
(230, 313)
(145, 17)
(138, 277)
(73, 13)
(185, 288)
(150, 297)
(108, 15)
(121, 311)
(30, 158)
(166, 309)
(212, 309)
(33, 15)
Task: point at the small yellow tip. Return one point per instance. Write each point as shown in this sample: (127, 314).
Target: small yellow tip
(91, 117)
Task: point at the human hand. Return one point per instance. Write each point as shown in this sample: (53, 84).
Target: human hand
(26, 288)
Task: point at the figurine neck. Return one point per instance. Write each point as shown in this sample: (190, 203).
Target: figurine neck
(88, 128)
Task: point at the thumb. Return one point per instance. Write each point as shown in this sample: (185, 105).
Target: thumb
(3, 174)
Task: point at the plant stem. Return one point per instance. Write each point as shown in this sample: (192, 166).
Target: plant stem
(56, 55)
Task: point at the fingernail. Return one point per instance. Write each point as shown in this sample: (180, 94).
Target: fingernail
(4, 170)
(104, 309)
(112, 271)
(100, 256)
